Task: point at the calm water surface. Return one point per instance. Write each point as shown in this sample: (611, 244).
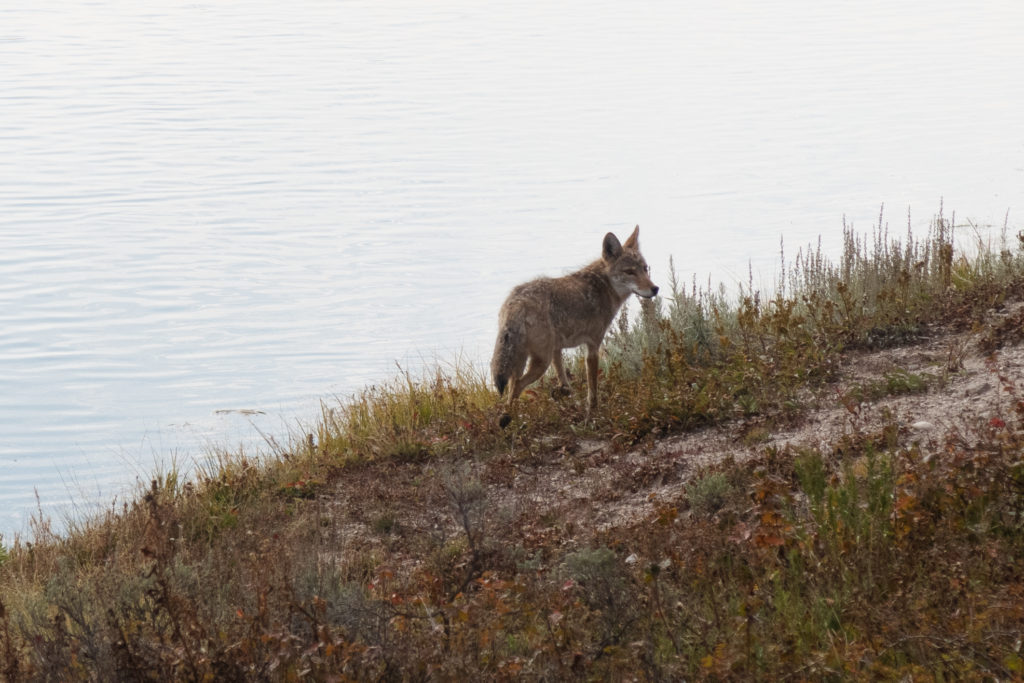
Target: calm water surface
(253, 206)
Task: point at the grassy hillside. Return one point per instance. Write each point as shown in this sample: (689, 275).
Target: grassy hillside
(407, 536)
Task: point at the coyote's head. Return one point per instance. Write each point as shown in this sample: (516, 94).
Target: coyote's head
(627, 268)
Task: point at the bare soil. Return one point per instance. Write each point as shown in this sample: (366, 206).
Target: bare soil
(577, 488)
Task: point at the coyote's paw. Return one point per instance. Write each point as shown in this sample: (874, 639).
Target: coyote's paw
(561, 392)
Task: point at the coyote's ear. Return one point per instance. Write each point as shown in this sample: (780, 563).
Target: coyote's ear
(632, 242)
(611, 249)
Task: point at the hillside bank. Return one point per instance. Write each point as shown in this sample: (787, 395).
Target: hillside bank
(826, 481)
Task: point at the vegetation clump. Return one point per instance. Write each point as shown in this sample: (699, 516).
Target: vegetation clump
(407, 536)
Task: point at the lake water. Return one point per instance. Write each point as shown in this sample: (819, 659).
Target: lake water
(255, 205)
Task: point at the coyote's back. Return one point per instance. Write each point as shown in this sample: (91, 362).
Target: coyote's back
(541, 317)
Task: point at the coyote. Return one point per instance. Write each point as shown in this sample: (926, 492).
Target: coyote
(542, 317)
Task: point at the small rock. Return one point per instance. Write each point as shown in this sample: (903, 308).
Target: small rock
(632, 559)
(980, 389)
(922, 426)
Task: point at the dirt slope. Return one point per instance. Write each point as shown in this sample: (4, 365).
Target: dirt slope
(578, 487)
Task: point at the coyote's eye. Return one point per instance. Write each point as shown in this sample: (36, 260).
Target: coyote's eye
(630, 271)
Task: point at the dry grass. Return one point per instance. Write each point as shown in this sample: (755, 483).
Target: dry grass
(382, 545)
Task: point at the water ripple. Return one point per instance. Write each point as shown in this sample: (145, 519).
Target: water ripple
(246, 205)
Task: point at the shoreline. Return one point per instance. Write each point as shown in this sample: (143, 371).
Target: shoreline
(824, 483)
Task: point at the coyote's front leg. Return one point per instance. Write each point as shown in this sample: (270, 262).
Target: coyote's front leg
(591, 379)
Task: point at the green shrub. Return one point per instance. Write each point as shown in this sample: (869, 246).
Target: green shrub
(708, 494)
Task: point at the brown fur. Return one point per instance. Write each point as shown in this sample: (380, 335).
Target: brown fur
(542, 317)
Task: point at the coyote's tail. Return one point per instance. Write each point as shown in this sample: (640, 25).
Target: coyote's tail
(509, 355)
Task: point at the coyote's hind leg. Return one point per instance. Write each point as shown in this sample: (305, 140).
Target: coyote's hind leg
(534, 370)
(563, 388)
